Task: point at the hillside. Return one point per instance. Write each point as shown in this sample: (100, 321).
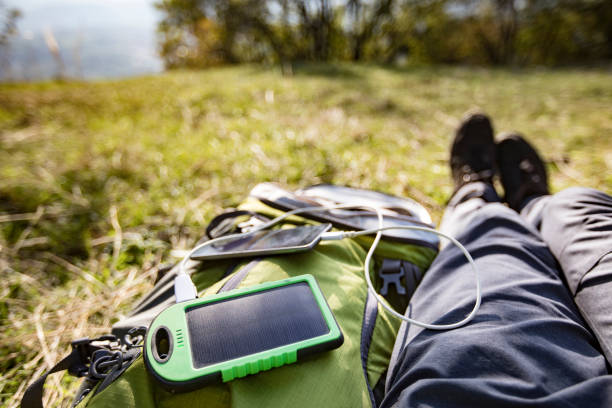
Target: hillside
(100, 180)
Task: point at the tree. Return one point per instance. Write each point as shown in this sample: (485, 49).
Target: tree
(197, 33)
(8, 29)
(364, 19)
(316, 24)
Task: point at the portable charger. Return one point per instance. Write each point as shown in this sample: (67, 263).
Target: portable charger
(233, 334)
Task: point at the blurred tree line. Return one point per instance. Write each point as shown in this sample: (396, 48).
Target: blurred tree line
(8, 29)
(8, 23)
(198, 33)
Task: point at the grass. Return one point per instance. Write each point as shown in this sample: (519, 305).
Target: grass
(99, 180)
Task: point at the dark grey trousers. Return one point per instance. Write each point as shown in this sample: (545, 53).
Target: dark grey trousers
(545, 273)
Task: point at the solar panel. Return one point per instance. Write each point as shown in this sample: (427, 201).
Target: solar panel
(255, 322)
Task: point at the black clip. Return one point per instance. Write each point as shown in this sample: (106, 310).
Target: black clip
(135, 337)
(82, 347)
(85, 349)
(103, 362)
(391, 272)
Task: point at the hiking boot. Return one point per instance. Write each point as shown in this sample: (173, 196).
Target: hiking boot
(522, 171)
(473, 151)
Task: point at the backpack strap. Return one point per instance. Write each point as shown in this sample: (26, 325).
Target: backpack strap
(76, 363)
(367, 330)
(100, 359)
(224, 223)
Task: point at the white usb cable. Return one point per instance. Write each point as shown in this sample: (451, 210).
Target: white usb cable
(185, 290)
(384, 304)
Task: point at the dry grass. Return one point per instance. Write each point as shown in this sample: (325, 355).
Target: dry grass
(98, 181)
(44, 321)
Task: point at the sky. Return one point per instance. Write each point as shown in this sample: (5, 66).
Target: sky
(96, 38)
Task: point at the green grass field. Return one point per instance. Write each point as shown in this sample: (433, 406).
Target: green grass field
(98, 181)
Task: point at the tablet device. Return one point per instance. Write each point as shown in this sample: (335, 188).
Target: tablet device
(233, 334)
(264, 242)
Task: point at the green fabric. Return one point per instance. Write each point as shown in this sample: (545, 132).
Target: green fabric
(132, 389)
(380, 352)
(334, 378)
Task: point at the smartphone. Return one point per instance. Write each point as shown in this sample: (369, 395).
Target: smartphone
(233, 334)
(264, 242)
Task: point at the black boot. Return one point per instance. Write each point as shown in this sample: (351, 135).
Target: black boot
(473, 151)
(522, 171)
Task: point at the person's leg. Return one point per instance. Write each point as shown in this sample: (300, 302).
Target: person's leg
(576, 224)
(456, 218)
(464, 203)
(527, 344)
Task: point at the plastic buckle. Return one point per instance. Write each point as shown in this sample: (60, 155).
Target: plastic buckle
(135, 337)
(104, 362)
(82, 348)
(391, 272)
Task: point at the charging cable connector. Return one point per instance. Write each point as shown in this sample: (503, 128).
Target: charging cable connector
(184, 289)
(333, 236)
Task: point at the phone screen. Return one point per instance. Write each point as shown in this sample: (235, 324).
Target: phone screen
(264, 242)
(237, 327)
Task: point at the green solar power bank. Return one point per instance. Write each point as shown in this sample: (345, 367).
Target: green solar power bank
(233, 334)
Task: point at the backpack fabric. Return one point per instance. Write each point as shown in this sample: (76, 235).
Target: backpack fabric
(352, 375)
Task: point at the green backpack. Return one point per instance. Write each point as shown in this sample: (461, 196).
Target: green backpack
(349, 376)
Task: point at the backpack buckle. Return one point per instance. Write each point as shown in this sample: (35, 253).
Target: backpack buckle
(103, 362)
(82, 347)
(135, 337)
(391, 272)
(84, 350)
